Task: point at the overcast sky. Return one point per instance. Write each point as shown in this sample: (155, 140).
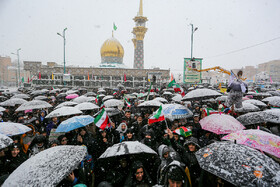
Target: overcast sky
(223, 26)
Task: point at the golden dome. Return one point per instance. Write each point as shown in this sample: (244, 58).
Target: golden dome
(112, 48)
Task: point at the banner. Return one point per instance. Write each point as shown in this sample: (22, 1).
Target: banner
(191, 76)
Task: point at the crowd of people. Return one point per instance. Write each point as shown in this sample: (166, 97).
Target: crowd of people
(174, 165)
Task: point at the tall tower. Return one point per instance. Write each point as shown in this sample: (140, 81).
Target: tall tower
(138, 38)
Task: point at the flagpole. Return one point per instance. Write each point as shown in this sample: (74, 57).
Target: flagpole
(149, 91)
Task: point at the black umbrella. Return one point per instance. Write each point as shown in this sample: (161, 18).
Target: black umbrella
(239, 164)
(251, 118)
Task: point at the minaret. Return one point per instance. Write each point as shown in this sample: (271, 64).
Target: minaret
(138, 38)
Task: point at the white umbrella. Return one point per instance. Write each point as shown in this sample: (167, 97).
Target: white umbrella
(87, 106)
(247, 107)
(167, 93)
(64, 111)
(113, 103)
(82, 99)
(11, 129)
(222, 98)
(34, 104)
(177, 98)
(72, 92)
(55, 90)
(2, 109)
(150, 103)
(21, 96)
(255, 102)
(200, 94)
(274, 101)
(107, 97)
(5, 141)
(272, 115)
(41, 97)
(90, 94)
(48, 167)
(160, 99)
(66, 103)
(13, 102)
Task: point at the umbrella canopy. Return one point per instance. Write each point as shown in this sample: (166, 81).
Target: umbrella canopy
(101, 91)
(176, 111)
(239, 164)
(87, 106)
(74, 123)
(255, 102)
(90, 94)
(69, 92)
(112, 111)
(127, 148)
(2, 109)
(61, 95)
(113, 103)
(220, 124)
(21, 96)
(34, 104)
(160, 99)
(39, 92)
(247, 107)
(273, 101)
(251, 118)
(13, 102)
(72, 96)
(48, 167)
(64, 111)
(5, 141)
(200, 94)
(107, 97)
(83, 99)
(272, 115)
(12, 129)
(41, 97)
(257, 139)
(66, 103)
(54, 91)
(167, 93)
(177, 98)
(274, 93)
(150, 103)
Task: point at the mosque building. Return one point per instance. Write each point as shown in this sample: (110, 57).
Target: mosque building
(110, 72)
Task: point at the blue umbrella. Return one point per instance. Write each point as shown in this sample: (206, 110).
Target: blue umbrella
(74, 123)
(176, 111)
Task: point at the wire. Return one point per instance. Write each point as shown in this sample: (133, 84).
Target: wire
(235, 51)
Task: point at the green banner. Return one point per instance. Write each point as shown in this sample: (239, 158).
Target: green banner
(191, 76)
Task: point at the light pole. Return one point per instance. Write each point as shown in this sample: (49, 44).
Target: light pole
(193, 30)
(17, 75)
(64, 40)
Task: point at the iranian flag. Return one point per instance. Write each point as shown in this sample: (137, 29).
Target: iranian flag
(157, 117)
(101, 119)
(96, 99)
(209, 111)
(127, 102)
(176, 87)
(183, 131)
(114, 93)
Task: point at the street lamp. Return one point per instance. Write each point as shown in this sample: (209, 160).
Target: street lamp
(64, 40)
(193, 30)
(17, 75)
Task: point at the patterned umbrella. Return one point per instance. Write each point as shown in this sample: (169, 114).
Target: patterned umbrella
(34, 104)
(74, 123)
(221, 124)
(258, 139)
(239, 164)
(5, 141)
(11, 129)
(48, 167)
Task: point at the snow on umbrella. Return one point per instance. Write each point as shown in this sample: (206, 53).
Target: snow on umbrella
(2, 109)
(5, 141)
(176, 111)
(200, 94)
(66, 103)
(151, 103)
(127, 148)
(113, 103)
(274, 93)
(21, 96)
(107, 97)
(72, 96)
(41, 97)
(87, 106)
(69, 92)
(54, 91)
(167, 93)
(101, 91)
(160, 99)
(48, 167)
(34, 104)
(251, 118)
(239, 164)
(11, 129)
(247, 107)
(112, 111)
(38, 92)
(61, 95)
(220, 124)
(74, 123)
(64, 111)
(257, 139)
(177, 98)
(255, 102)
(272, 115)
(90, 94)
(13, 102)
(83, 99)
(273, 101)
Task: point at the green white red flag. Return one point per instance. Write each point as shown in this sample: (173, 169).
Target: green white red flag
(209, 111)
(183, 131)
(157, 117)
(101, 120)
(96, 99)
(177, 87)
(127, 102)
